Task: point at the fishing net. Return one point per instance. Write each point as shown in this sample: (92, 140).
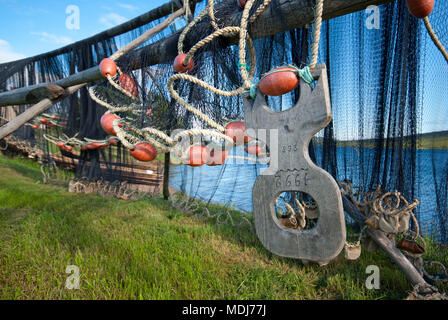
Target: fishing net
(388, 94)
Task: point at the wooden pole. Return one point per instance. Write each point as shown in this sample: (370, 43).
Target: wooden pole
(384, 243)
(150, 16)
(166, 176)
(34, 111)
(20, 96)
(32, 94)
(278, 17)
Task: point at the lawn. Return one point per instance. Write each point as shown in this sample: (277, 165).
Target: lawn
(147, 250)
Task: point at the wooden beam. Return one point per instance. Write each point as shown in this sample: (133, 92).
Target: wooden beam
(157, 13)
(88, 74)
(20, 96)
(34, 111)
(384, 243)
(29, 95)
(279, 16)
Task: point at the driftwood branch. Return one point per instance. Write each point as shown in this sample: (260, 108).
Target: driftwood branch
(384, 243)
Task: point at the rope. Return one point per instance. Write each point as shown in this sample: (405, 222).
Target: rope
(435, 39)
(227, 31)
(316, 33)
(123, 100)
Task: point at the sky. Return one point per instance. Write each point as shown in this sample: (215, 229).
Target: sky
(28, 28)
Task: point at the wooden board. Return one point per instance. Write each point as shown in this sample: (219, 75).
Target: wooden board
(292, 170)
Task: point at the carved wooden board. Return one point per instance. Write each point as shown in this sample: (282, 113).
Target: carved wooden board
(296, 172)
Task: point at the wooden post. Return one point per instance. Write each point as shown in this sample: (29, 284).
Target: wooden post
(166, 177)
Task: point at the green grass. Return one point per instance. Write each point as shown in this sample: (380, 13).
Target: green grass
(147, 250)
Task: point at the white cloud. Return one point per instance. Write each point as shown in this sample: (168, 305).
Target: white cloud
(127, 6)
(52, 38)
(7, 53)
(112, 19)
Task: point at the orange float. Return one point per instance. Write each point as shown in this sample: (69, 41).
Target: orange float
(179, 64)
(106, 123)
(144, 151)
(108, 67)
(198, 156)
(128, 84)
(241, 4)
(34, 126)
(279, 81)
(420, 8)
(217, 158)
(113, 141)
(254, 149)
(44, 120)
(60, 145)
(237, 131)
(96, 146)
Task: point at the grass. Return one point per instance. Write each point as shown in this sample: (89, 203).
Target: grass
(147, 250)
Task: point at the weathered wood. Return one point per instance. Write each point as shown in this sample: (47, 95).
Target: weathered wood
(384, 243)
(279, 16)
(31, 94)
(291, 169)
(34, 111)
(47, 103)
(89, 75)
(150, 16)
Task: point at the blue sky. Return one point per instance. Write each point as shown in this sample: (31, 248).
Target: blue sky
(28, 28)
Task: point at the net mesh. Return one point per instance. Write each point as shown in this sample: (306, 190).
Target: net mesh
(388, 91)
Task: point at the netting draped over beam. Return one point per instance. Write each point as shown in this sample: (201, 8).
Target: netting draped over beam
(388, 92)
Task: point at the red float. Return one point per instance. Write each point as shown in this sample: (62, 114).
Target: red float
(148, 112)
(237, 131)
(60, 144)
(179, 64)
(217, 158)
(113, 141)
(96, 146)
(254, 149)
(279, 81)
(106, 123)
(128, 84)
(420, 8)
(108, 67)
(198, 156)
(241, 4)
(53, 117)
(144, 151)
(50, 125)
(34, 126)
(44, 120)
